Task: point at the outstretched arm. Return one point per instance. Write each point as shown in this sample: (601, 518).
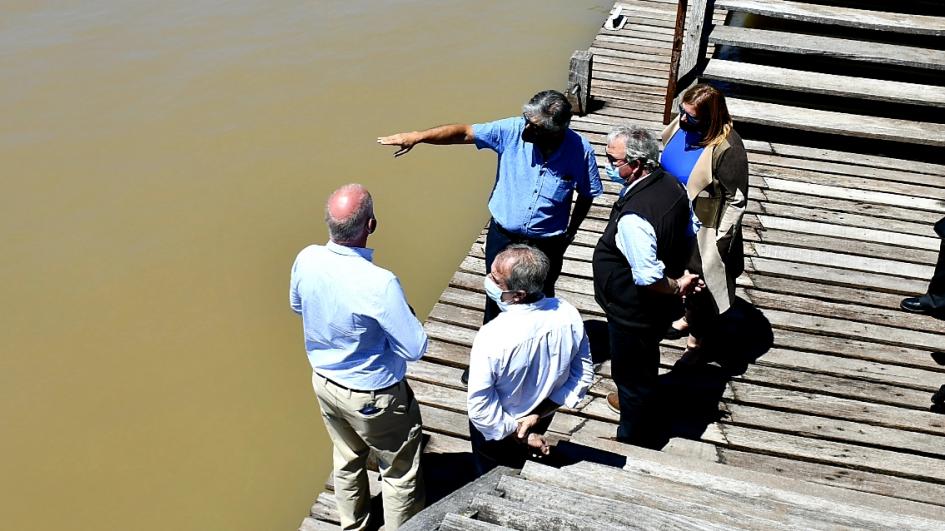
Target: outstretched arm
(442, 135)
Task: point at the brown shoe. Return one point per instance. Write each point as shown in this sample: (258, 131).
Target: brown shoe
(613, 402)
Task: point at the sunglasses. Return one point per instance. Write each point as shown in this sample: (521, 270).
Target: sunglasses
(689, 118)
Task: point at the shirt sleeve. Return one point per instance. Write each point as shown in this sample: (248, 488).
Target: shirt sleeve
(482, 399)
(581, 374)
(295, 300)
(494, 135)
(636, 239)
(404, 332)
(590, 185)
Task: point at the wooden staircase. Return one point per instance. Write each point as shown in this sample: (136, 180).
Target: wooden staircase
(854, 72)
(653, 490)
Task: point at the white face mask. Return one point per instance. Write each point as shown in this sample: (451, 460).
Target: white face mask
(494, 292)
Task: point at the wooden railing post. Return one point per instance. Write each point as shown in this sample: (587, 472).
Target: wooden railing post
(579, 81)
(694, 43)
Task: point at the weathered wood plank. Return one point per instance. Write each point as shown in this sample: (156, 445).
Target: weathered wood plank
(870, 52)
(827, 84)
(456, 522)
(830, 475)
(840, 16)
(865, 489)
(595, 508)
(515, 515)
(832, 122)
(827, 157)
(313, 524)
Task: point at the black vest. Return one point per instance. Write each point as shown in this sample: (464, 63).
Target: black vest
(661, 200)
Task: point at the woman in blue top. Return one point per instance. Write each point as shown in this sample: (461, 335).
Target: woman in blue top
(706, 154)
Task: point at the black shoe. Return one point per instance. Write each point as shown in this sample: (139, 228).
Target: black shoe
(939, 396)
(465, 377)
(674, 333)
(917, 304)
(937, 408)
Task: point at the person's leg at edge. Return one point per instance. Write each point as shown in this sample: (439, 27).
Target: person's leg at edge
(349, 456)
(395, 434)
(554, 248)
(936, 290)
(495, 242)
(635, 368)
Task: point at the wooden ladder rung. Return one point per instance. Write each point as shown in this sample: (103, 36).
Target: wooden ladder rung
(840, 16)
(891, 129)
(868, 52)
(827, 84)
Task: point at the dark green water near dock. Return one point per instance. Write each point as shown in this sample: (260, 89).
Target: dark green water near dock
(162, 164)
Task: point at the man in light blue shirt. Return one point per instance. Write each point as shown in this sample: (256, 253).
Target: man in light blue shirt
(542, 163)
(359, 333)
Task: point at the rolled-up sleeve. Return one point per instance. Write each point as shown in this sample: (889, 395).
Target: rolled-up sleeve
(482, 399)
(636, 239)
(404, 332)
(580, 376)
(590, 185)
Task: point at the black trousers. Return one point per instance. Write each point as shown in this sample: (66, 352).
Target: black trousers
(635, 362)
(506, 452)
(498, 239)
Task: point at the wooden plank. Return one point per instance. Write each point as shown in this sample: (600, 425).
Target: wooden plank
(594, 508)
(828, 156)
(905, 173)
(759, 494)
(822, 223)
(868, 489)
(875, 188)
(870, 52)
(312, 524)
(456, 522)
(827, 84)
(514, 515)
(701, 507)
(840, 260)
(879, 128)
(887, 21)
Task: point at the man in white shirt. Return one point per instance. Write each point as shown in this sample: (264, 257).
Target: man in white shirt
(526, 363)
(359, 334)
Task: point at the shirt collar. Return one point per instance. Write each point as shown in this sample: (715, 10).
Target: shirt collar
(537, 305)
(363, 252)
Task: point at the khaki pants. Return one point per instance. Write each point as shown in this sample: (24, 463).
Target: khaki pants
(390, 427)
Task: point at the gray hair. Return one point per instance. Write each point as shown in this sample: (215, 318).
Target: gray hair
(529, 269)
(641, 145)
(550, 109)
(349, 228)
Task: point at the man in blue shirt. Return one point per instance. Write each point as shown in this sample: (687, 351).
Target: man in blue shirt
(541, 164)
(359, 334)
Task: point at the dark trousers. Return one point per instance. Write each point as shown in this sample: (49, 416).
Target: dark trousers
(498, 239)
(635, 362)
(506, 452)
(936, 293)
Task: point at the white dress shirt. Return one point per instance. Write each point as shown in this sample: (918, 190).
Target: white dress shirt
(359, 330)
(527, 354)
(636, 240)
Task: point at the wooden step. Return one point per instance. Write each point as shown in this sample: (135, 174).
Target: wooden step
(890, 129)
(870, 52)
(456, 522)
(840, 16)
(827, 84)
(517, 515)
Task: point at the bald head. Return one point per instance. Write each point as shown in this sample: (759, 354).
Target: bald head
(347, 214)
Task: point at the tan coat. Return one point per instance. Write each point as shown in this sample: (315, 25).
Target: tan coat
(718, 190)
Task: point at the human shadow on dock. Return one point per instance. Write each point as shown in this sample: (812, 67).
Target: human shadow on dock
(688, 398)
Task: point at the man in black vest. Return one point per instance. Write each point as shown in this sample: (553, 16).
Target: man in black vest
(639, 271)
(933, 302)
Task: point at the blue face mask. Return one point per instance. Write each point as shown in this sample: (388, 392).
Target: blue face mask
(494, 292)
(614, 174)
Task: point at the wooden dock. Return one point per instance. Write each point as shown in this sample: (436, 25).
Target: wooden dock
(827, 425)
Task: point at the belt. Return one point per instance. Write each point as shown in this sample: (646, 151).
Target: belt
(521, 237)
(338, 385)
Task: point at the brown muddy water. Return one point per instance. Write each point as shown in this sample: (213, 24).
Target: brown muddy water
(162, 163)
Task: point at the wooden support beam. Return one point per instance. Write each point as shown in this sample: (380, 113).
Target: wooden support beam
(579, 81)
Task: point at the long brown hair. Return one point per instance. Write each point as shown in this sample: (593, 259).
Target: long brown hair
(710, 106)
